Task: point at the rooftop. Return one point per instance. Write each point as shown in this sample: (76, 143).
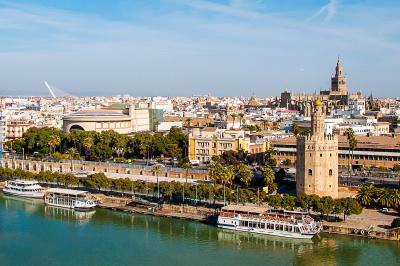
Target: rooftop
(66, 191)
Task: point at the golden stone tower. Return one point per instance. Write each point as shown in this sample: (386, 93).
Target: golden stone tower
(317, 158)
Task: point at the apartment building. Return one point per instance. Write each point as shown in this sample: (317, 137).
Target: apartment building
(209, 141)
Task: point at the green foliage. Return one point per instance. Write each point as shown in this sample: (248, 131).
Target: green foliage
(324, 205)
(100, 146)
(243, 175)
(365, 195)
(396, 167)
(287, 162)
(269, 178)
(350, 206)
(381, 197)
(97, 181)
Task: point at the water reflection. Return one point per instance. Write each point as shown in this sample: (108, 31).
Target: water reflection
(29, 205)
(323, 250)
(36, 206)
(68, 215)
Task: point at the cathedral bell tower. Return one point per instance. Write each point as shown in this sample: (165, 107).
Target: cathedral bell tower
(338, 81)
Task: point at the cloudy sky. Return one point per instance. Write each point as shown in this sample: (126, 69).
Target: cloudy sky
(186, 47)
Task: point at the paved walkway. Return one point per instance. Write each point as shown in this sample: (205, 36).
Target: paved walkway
(366, 219)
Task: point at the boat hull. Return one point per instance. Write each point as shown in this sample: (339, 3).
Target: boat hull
(267, 232)
(70, 207)
(24, 194)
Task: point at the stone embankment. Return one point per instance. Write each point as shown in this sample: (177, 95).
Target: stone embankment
(199, 214)
(369, 224)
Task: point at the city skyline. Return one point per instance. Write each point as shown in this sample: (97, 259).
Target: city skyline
(175, 47)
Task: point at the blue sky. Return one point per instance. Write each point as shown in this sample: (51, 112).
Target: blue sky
(186, 47)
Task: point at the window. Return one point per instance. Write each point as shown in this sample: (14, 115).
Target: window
(320, 155)
(309, 172)
(330, 172)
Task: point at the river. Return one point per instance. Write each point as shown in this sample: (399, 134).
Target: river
(34, 234)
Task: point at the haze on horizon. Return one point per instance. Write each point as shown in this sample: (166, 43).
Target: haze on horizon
(186, 47)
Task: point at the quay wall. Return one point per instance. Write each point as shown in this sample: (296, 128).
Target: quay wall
(86, 166)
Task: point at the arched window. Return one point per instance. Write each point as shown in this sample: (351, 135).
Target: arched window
(330, 172)
(309, 172)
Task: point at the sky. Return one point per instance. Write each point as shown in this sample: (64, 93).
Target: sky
(195, 47)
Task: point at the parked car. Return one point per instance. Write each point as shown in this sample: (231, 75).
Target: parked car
(384, 210)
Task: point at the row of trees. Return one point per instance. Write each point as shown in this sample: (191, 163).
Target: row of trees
(172, 191)
(370, 196)
(101, 146)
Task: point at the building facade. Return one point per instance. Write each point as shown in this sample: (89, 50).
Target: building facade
(317, 159)
(122, 120)
(3, 130)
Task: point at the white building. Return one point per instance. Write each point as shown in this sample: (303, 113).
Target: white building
(3, 130)
(166, 126)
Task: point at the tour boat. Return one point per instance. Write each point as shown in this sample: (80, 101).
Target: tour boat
(24, 188)
(69, 198)
(282, 223)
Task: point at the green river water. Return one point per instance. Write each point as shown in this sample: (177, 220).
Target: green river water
(34, 234)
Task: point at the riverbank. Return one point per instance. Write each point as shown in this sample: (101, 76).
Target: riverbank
(370, 223)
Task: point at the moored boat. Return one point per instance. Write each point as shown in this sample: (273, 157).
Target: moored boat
(24, 188)
(69, 198)
(282, 223)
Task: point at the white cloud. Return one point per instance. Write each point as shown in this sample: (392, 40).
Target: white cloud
(329, 9)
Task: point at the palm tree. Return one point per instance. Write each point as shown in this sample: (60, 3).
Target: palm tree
(157, 169)
(241, 115)
(227, 177)
(365, 195)
(383, 197)
(233, 118)
(396, 199)
(185, 166)
(54, 142)
(87, 144)
(71, 153)
(352, 141)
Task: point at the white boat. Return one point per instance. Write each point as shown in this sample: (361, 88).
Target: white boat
(282, 223)
(24, 188)
(69, 198)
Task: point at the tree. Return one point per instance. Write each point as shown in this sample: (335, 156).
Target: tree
(296, 129)
(350, 206)
(324, 206)
(396, 167)
(97, 181)
(157, 168)
(241, 115)
(216, 171)
(243, 175)
(365, 195)
(269, 178)
(288, 202)
(275, 200)
(234, 119)
(352, 141)
(307, 201)
(186, 166)
(287, 162)
(383, 197)
(395, 198)
(338, 207)
(87, 145)
(173, 150)
(54, 142)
